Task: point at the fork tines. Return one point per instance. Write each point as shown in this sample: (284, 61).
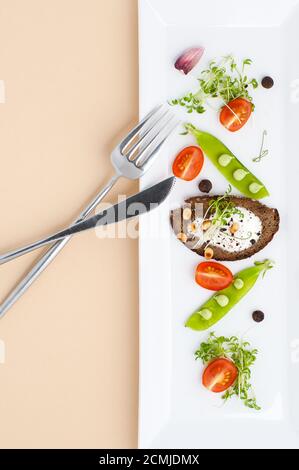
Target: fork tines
(146, 139)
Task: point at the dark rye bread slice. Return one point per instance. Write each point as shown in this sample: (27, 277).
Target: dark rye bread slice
(269, 218)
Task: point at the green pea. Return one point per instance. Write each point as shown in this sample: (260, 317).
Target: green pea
(222, 300)
(255, 187)
(206, 314)
(218, 310)
(225, 160)
(238, 283)
(229, 165)
(240, 174)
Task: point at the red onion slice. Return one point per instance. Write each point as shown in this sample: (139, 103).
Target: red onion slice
(187, 61)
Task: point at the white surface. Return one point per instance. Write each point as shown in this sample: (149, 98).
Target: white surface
(2, 92)
(175, 411)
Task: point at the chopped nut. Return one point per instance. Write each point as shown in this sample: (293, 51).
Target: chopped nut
(192, 227)
(182, 236)
(206, 225)
(187, 213)
(208, 253)
(234, 228)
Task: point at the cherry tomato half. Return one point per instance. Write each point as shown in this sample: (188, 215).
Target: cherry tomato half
(213, 276)
(219, 375)
(235, 114)
(188, 163)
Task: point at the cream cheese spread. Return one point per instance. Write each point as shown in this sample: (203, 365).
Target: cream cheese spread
(248, 233)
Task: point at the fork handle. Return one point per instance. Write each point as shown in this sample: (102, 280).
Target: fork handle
(51, 254)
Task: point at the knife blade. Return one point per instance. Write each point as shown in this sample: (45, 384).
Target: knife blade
(136, 205)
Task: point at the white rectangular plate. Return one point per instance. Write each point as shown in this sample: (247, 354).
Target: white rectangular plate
(175, 410)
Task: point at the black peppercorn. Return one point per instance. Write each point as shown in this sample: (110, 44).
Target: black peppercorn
(267, 82)
(205, 186)
(258, 316)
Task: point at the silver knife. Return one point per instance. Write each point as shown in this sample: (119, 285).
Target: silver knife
(134, 206)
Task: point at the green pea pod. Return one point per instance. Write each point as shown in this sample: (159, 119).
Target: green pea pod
(228, 164)
(223, 301)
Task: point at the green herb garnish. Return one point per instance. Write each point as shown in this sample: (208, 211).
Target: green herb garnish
(222, 209)
(263, 152)
(224, 80)
(241, 354)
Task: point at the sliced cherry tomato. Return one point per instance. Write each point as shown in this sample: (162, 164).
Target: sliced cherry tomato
(235, 114)
(213, 276)
(219, 375)
(188, 163)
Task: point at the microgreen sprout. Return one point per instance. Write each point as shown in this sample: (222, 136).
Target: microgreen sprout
(263, 152)
(242, 355)
(222, 209)
(224, 80)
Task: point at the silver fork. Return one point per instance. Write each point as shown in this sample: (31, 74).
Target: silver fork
(131, 159)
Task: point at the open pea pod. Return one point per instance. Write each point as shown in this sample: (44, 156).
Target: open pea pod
(229, 165)
(223, 301)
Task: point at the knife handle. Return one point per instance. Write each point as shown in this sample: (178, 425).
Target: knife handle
(50, 254)
(11, 255)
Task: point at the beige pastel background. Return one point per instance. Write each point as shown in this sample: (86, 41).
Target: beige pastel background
(70, 377)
